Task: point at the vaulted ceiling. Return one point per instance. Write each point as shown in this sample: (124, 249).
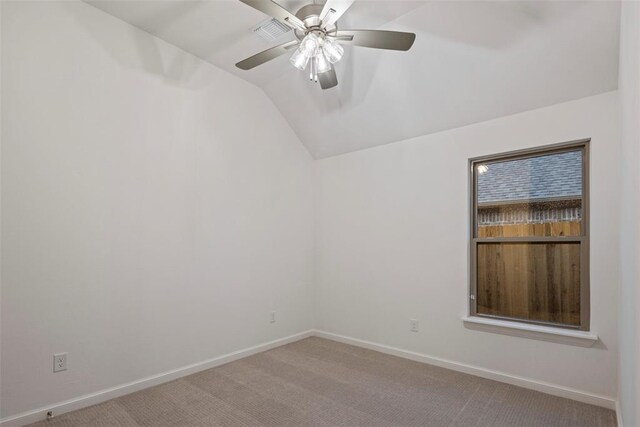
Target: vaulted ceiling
(472, 61)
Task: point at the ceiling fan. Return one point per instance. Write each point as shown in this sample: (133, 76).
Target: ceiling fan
(319, 40)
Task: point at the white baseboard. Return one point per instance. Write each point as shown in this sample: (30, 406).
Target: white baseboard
(123, 389)
(553, 389)
(619, 413)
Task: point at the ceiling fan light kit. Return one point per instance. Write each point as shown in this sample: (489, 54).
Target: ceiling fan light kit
(318, 43)
(320, 51)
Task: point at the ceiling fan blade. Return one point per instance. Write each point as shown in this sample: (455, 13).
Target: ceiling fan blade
(328, 79)
(333, 10)
(276, 11)
(377, 39)
(266, 55)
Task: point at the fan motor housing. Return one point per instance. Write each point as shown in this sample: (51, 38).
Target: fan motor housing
(310, 15)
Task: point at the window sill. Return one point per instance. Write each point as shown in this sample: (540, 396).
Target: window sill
(545, 333)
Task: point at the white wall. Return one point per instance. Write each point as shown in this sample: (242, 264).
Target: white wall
(154, 208)
(629, 371)
(393, 245)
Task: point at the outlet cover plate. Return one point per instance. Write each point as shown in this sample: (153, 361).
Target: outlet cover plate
(59, 362)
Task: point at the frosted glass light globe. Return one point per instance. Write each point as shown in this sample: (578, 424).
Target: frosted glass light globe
(322, 63)
(333, 50)
(299, 60)
(310, 45)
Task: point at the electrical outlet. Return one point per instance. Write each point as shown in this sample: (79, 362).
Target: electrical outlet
(272, 317)
(413, 325)
(59, 362)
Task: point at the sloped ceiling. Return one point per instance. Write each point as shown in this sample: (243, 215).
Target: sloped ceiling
(472, 61)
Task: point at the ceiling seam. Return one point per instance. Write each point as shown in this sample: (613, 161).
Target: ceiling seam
(213, 66)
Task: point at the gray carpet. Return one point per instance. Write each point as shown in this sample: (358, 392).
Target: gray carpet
(317, 382)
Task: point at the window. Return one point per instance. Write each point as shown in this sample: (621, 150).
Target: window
(529, 236)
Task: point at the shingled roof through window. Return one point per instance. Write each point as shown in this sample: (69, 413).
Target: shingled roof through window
(556, 175)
